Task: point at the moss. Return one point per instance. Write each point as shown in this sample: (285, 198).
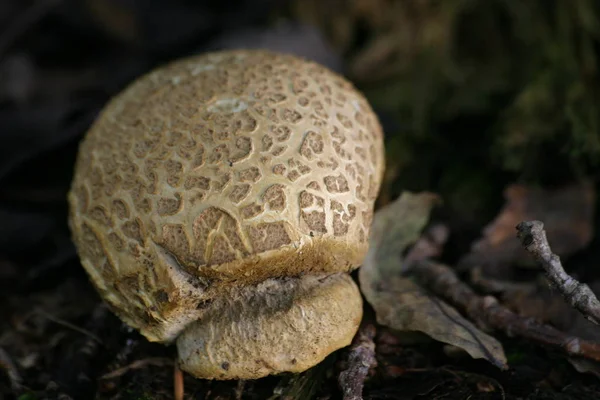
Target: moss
(527, 72)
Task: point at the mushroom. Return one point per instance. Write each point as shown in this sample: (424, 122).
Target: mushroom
(221, 201)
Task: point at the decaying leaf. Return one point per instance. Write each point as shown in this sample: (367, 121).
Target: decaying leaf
(398, 301)
(567, 213)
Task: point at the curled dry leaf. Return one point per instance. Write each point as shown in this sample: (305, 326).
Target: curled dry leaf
(567, 213)
(400, 302)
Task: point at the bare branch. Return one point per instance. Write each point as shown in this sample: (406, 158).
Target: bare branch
(360, 359)
(154, 361)
(489, 314)
(178, 383)
(578, 295)
(69, 325)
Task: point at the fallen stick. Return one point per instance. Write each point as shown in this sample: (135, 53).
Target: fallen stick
(488, 314)
(361, 358)
(578, 295)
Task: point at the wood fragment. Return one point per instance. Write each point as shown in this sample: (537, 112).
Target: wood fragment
(178, 386)
(577, 295)
(69, 325)
(361, 359)
(82, 355)
(488, 314)
(154, 361)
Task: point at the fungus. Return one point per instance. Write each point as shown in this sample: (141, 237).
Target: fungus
(220, 202)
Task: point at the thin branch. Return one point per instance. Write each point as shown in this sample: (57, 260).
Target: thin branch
(178, 385)
(360, 360)
(138, 364)
(69, 325)
(489, 314)
(80, 357)
(493, 286)
(578, 295)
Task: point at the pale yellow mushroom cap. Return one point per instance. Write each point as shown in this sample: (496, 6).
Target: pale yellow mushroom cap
(217, 177)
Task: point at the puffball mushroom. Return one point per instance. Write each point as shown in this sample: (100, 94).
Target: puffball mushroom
(221, 201)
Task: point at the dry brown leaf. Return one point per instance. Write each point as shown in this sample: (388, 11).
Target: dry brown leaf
(398, 301)
(567, 213)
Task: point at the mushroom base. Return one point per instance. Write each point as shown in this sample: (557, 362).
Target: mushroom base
(280, 325)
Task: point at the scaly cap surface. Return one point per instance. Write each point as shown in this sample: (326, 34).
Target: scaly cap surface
(223, 169)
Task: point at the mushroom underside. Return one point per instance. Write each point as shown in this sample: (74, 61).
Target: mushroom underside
(281, 325)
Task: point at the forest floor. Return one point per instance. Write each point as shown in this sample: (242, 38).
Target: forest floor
(62, 60)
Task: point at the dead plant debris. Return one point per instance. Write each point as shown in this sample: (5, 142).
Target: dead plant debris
(473, 96)
(579, 295)
(361, 358)
(399, 301)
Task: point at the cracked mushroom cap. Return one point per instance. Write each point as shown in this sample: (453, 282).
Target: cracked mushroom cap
(228, 191)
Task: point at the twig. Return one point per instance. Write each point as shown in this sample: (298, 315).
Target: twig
(578, 295)
(81, 357)
(360, 359)
(69, 325)
(155, 361)
(494, 286)
(178, 387)
(489, 314)
(9, 366)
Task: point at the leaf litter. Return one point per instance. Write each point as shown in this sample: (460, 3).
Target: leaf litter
(399, 301)
(42, 350)
(409, 292)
